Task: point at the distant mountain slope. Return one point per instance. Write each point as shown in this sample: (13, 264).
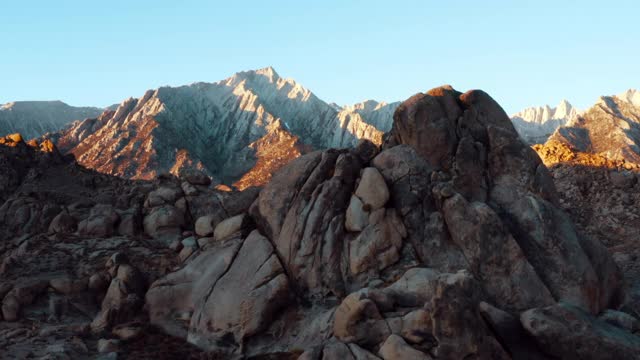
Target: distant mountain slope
(536, 124)
(34, 118)
(213, 126)
(611, 128)
(632, 96)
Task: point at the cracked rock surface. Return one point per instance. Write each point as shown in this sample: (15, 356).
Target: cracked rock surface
(449, 241)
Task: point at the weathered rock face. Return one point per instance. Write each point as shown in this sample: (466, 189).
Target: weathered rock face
(442, 244)
(601, 196)
(567, 332)
(514, 183)
(399, 247)
(229, 292)
(124, 296)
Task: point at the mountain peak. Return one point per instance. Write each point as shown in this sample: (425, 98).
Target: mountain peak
(535, 124)
(631, 96)
(34, 118)
(267, 71)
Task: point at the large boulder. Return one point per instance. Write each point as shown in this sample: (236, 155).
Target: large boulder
(124, 296)
(229, 293)
(164, 223)
(494, 255)
(357, 218)
(396, 348)
(372, 189)
(444, 321)
(205, 225)
(302, 211)
(163, 195)
(474, 150)
(27, 214)
(195, 177)
(568, 332)
(102, 221)
(380, 243)
(63, 223)
(24, 293)
(229, 227)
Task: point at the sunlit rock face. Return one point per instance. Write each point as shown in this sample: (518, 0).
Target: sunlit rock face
(34, 118)
(536, 124)
(610, 128)
(222, 128)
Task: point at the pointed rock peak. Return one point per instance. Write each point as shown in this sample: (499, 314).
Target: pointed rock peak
(367, 105)
(631, 96)
(269, 72)
(564, 110)
(564, 102)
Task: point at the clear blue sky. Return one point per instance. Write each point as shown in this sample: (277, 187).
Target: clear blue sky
(522, 52)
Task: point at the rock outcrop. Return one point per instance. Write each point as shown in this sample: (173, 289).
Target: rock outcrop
(393, 251)
(447, 241)
(61, 223)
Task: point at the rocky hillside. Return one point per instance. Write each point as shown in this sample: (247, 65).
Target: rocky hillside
(449, 241)
(536, 124)
(215, 126)
(601, 195)
(34, 118)
(610, 128)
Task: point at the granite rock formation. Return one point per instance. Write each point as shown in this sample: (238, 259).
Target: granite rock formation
(447, 241)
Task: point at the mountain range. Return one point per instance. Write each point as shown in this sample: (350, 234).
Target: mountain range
(536, 124)
(610, 128)
(242, 129)
(222, 128)
(34, 118)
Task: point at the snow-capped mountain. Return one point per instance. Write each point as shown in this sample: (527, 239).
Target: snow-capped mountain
(536, 124)
(221, 127)
(34, 118)
(611, 128)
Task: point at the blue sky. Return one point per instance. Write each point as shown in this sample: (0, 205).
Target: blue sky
(523, 53)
